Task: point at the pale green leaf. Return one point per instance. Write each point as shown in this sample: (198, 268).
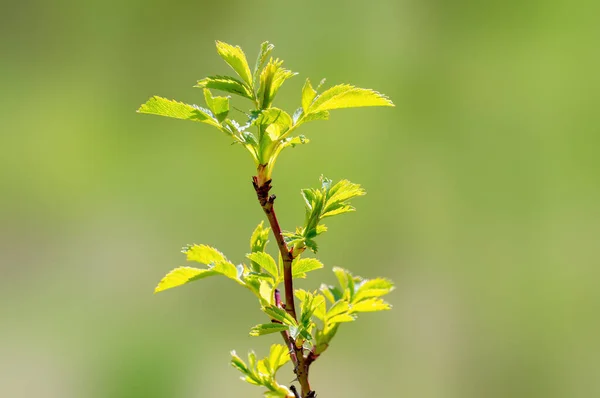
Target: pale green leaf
(235, 57)
(342, 276)
(340, 307)
(276, 117)
(278, 356)
(227, 84)
(203, 254)
(265, 51)
(341, 318)
(347, 96)
(267, 328)
(266, 262)
(279, 314)
(271, 79)
(308, 95)
(178, 110)
(228, 269)
(301, 266)
(181, 276)
(373, 288)
(219, 106)
(371, 305)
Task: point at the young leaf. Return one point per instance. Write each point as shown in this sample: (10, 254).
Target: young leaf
(347, 96)
(371, 305)
(219, 106)
(227, 84)
(271, 79)
(308, 95)
(373, 288)
(265, 51)
(280, 315)
(267, 328)
(266, 262)
(301, 266)
(235, 57)
(181, 276)
(178, 110)
(278, 356)
(203, 254)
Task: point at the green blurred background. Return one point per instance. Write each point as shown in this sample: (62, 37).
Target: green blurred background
(483, 199)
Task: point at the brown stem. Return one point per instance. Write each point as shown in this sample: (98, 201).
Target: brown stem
(266, 201)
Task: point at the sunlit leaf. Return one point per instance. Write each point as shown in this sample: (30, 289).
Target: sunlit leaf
(347, 96)
(266, 262)
(371, 305)
(308, 95)
(203, 254)
(178, 110)
(301, 266)
(263, 55)
(235, 57)
(219, 106)
(181, 276)
(267, 328)
(227, 84)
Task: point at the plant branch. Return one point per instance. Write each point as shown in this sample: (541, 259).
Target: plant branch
(266, 201)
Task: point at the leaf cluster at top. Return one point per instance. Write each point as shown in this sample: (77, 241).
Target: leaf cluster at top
(266, 130)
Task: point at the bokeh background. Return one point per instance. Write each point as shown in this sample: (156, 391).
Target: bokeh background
(483, 199)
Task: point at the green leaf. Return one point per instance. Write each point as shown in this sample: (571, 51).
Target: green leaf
(235, 57)
(301, 266)
(260, 238)
(219, 106)
(266, 262)
(178, 110)
(227, 84)
(203, 254)
(371, 305)
(279, 314)
(340, 307)
(274, 117)
(347, 96)
(267, 328)
(373, 288)
(271, 79)
(265, 51)
(181, 276)
(342, 276)
(308, 95)
(278, 356)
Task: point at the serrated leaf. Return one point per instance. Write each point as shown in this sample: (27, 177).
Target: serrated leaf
(267, 328)
(260, 238)
(178, 110)
(373, 288)
(274, 116)
(266, 262)
(341, 318)
(340, 307)
(308, 95)
(271, 78)
(301, 266)
(228, 269)
(227, 84)
(181, 276)
(371, 305)
(278, 356)
(263, 54)
(219, 106)
(203, 254)
(342, 276)
(279, 314)
(235, 57)
(347, 96)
